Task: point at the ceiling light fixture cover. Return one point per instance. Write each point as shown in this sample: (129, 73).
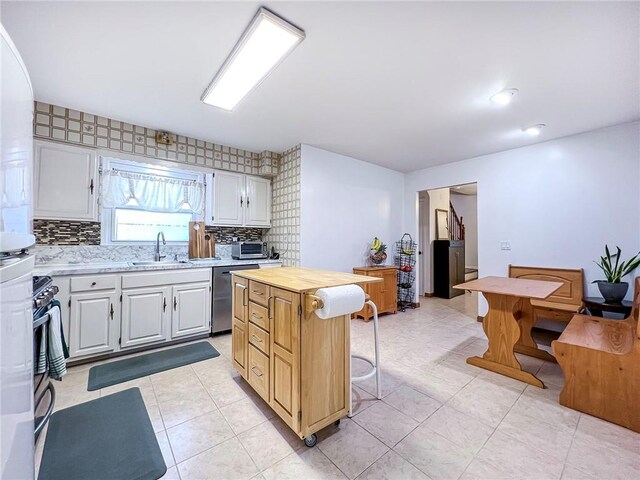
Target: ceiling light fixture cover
(534, 130)
(504, 97)
(264, 44)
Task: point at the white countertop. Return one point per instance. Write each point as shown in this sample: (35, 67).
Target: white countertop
(112, 267)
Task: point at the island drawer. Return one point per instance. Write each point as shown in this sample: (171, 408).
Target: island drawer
(258, 372)
(258, 292)
(88, 283)
(259, 315)
(259, 338)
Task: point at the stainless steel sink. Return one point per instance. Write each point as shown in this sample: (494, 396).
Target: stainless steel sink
(151, 262)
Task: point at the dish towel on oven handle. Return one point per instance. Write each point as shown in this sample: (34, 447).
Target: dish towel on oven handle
(53, 349)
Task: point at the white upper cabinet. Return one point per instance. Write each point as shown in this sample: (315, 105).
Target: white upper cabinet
(66, 182)
(228, 198)
(240, 200)
(258, 196)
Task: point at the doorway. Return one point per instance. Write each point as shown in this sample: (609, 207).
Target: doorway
(447, 216)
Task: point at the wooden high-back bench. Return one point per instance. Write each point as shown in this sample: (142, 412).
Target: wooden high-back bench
(565, 302)
(600, 359)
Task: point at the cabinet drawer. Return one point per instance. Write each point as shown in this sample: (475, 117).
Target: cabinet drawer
(259, 338)
(258, 292)
(258, 372)
(259, 315)
(93, 282)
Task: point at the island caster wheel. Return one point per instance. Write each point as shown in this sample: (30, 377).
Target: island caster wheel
(311, 440)
(337, 422)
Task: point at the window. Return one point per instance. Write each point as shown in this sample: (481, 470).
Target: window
(140, 200)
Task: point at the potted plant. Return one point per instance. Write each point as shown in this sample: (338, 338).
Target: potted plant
(378, 252)
(612, 289)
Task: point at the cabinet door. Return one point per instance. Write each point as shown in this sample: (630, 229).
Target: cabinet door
(191, 309)
(285, 352)
(93, 323)
(258, 203)
(240, 308)
(65, 182)
(240, 298)
(239, 346)
(228, 198)
(389, 291)
(145, 313)
(376, 293)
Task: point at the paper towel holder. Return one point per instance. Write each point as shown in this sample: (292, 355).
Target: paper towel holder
(311, 304)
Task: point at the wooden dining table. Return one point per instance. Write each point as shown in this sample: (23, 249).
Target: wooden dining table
(507, 298)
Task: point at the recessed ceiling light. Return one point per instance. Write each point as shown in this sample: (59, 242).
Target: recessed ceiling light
(504, 97)
(534, 130)
(264, 44)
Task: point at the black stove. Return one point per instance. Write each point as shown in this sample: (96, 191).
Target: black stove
(43, 291)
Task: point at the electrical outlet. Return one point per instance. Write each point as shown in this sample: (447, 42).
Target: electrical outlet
(505, 245)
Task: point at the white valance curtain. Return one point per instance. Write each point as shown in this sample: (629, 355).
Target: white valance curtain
(151, 192)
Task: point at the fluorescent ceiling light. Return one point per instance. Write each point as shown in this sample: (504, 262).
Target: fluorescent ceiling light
(534, 130)
(505, 96)
(264, 44)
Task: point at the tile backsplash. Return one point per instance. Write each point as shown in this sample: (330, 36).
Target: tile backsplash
(52, 122)
(57, 238)
(225, 235)
(66, 232)
(284, 234)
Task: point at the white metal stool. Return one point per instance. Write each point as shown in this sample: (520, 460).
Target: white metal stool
(375, 370)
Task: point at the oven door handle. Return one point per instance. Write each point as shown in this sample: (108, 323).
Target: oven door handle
(41, 321)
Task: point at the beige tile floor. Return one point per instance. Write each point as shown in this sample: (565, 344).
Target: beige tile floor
(439, 419)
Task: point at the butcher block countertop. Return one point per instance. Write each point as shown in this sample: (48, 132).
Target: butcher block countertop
(301, 280)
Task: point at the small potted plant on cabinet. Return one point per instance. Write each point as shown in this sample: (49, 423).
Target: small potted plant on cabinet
(612, 289)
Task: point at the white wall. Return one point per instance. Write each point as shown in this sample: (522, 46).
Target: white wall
(345, 202)
(466, 206)
(557, 202)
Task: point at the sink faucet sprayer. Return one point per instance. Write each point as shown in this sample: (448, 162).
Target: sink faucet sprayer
(157, 257)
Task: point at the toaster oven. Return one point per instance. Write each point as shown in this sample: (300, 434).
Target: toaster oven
(248, 250)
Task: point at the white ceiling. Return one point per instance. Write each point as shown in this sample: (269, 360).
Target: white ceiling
(466, 189)
(404, 85)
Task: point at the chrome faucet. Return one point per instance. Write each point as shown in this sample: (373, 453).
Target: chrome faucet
(157, 257)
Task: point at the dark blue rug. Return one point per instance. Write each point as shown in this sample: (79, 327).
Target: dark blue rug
(110, 438)
(108, 374)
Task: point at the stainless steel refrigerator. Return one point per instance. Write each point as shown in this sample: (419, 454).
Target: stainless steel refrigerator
(16, 266)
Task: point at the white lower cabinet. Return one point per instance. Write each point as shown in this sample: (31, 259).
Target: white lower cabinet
(94, 323)
(144, 316)
(105, 313)
(191, 309)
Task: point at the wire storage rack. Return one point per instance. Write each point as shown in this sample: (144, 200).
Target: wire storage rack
(405, 260)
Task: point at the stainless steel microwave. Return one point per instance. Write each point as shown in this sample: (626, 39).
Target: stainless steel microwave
(246, 250)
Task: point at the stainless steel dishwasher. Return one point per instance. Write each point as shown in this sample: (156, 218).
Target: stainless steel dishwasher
(221, 315)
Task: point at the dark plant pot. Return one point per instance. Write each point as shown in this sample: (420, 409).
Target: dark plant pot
(613, 292)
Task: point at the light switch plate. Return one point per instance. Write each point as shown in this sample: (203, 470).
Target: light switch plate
(505, 245)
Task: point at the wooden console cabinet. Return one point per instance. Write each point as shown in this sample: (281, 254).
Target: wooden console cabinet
(384, 294)
(298, 363)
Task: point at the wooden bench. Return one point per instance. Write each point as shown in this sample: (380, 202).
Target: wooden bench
(561, 306)
(565, 302)
(600, 359)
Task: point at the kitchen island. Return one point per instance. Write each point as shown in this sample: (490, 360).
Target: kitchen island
(297, 362)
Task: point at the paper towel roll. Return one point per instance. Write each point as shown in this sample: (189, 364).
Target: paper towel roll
(338, 301)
